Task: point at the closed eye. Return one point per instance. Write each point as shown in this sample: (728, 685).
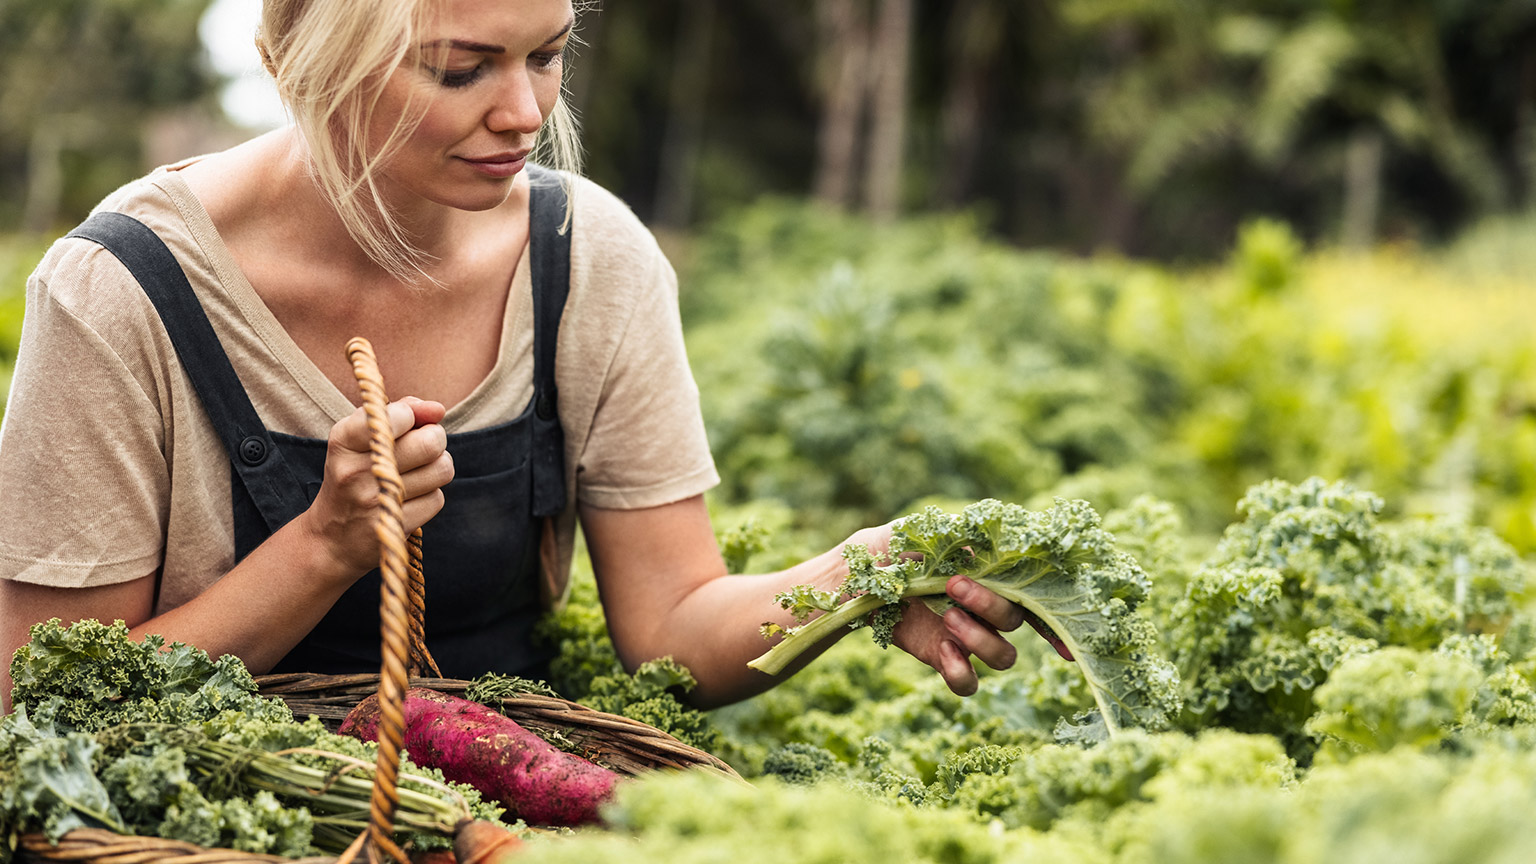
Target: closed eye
(455, 78)
(548, 59)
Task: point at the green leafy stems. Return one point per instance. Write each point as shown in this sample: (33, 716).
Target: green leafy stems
(333, 784)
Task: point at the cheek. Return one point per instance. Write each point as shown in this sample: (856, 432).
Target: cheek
(440, 126)
(547, 93)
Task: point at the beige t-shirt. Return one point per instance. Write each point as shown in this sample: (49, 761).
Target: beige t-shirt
(110, 471)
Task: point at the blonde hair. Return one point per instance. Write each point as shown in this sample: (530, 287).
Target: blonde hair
(330, 59)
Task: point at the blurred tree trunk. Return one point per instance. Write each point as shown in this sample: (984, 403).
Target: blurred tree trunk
(1362, 187)
(842, 33)
(685, 122)
(45, 178)
(975, 39)
(52, 136)
(891, 66)
(1525, 123)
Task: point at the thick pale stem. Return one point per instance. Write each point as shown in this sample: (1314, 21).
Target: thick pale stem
(778, 658)
(812, 632)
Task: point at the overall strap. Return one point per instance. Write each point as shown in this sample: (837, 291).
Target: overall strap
(549, 244)
(260, 465)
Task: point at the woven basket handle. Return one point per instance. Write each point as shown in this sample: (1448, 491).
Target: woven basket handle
(401, 604)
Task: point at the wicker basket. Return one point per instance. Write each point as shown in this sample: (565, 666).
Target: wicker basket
(619, 743)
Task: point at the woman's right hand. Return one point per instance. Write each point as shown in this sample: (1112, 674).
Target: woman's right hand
(342, 517)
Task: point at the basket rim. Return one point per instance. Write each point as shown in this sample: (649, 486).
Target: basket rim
(331, 696)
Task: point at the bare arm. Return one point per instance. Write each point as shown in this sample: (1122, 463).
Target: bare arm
(262, 607)
(665, 590)
(258, 611)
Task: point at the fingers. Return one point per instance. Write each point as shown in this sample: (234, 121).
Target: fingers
(925, 636)
(986, 643)
(351, 433)
(343, 512)
(1049, 636)
(419, 510)
(422, 457)
(956, 669)
(425, 412)
(947, 642)
(421, 445)
(977, 624)
(999, 612)
(993, 608)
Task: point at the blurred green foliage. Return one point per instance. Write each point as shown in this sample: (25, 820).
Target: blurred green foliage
(18, 255)
(851, 370)
(79, 79)
(1151, 127)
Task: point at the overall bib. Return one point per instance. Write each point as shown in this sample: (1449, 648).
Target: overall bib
(480, 554)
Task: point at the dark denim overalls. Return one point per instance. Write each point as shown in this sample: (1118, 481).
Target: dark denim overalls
(480, 553)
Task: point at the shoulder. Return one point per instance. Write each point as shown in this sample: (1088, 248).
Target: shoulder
(601, 211)
(82, 291)
(81, 275)
(608, 241)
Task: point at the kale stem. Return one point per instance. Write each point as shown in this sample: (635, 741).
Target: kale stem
(808, 635)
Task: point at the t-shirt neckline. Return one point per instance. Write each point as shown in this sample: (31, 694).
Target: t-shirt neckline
(305, 373)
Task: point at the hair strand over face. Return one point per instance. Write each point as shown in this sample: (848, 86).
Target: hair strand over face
(331, 60)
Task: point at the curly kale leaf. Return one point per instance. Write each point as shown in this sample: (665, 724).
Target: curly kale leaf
(1393, 697)
(1058, 564)
(739, 544)
(1310, 579)
(802, 764)
(48, 780)
(114, 733)
(260, 824)
(650, 696)
(105, 678)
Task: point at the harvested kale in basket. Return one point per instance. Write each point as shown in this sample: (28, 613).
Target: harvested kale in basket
(103, 678)
(143, 739)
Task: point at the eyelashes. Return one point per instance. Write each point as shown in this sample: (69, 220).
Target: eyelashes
(454, 79)
(548, 59)
(463, 78)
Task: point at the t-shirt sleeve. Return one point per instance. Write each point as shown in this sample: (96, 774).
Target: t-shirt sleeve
(83, 476)
(648, 445)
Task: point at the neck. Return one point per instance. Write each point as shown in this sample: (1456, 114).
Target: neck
(428, 226)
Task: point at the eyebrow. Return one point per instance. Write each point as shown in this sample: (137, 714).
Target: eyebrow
(486, 48)
(466, 45)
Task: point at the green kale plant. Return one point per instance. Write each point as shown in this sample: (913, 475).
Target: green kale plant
(104, 678)
(586, 669)
(1058, 564)
(1311, 578)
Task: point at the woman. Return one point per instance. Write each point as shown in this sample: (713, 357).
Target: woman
(139, 481)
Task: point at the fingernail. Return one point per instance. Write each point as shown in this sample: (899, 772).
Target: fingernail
(963, 589)
(950, 621)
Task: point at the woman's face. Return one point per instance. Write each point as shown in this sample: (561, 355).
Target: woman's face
(489, 74)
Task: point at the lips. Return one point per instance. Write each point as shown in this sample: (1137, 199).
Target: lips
(498, 164)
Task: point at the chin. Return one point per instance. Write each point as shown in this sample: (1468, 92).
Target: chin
(480, 200)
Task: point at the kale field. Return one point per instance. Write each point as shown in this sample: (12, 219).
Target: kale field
(1324, 464)
(1310, 486)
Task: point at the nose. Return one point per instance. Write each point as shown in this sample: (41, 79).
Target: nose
(516, 105)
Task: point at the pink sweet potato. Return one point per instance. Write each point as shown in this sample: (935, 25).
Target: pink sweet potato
(473, 744)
